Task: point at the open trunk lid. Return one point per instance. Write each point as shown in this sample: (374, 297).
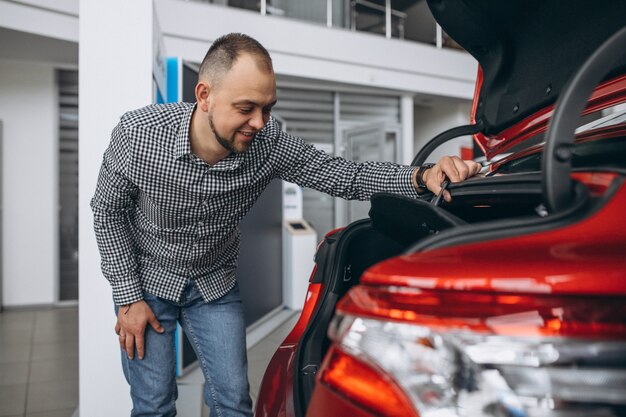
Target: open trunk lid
(527, 51)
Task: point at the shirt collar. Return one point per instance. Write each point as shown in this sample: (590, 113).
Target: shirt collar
(230, 163)
(182, 145)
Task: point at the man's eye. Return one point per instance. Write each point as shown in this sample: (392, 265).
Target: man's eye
(245, 110)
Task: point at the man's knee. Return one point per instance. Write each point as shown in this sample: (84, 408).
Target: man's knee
(152, 385)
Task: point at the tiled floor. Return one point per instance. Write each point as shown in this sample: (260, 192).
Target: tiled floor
(39, 361)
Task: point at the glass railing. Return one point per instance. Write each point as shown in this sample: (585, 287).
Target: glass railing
(401, 19)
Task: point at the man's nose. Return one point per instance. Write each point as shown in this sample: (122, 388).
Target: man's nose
(256, 122)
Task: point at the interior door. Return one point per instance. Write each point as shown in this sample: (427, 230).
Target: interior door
(361, 144)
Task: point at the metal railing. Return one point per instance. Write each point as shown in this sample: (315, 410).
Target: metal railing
(392, 22)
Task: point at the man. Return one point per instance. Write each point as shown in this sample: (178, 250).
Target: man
(175, 182)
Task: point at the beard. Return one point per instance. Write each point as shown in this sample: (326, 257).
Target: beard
(228, 144)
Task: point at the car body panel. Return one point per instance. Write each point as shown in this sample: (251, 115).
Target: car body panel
(328, 403)
(567, 260)
(276, 391)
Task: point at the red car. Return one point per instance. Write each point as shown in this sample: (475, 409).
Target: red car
(511, 299)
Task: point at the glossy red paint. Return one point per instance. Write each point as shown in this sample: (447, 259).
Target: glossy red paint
(312, 297)
(585, 258)
(479, 84)
(609, 93)
(327, 403)
(276, 392)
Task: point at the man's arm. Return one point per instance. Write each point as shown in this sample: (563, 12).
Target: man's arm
(110, 204)
(113, 198)
(312, 168)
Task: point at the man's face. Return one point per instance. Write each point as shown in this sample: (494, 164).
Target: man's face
(241, 104)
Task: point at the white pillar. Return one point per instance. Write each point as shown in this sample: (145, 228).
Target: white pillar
(406, 116)
(439, 37)
(115, 55)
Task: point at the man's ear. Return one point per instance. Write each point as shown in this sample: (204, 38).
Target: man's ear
(202, 95)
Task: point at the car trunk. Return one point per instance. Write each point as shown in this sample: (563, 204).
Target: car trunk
(345, 255)
(482, 209)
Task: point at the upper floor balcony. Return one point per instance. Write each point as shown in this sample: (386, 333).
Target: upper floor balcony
(401, 19)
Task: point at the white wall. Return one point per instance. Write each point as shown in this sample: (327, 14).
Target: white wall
(28, 109)
(36, 36)
(313, 51)
(440, 115)
(115, 54)
(56, 19)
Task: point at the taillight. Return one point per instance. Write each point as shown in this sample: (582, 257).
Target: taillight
(365, 385)
(455, 353)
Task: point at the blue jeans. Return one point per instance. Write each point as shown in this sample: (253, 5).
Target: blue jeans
(218, 335)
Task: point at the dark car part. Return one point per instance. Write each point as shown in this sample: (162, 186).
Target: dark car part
(406, 220)
(599, 155)
(580, 208)
(557, 160)
(527, 49)
(436, 200)
(442, 138)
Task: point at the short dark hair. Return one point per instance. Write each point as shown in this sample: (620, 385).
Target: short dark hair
(225, 51)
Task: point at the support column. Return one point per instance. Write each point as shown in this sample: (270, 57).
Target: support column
(406, 116)
(115, 55)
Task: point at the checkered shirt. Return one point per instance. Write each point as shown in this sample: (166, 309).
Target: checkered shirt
(163, 216)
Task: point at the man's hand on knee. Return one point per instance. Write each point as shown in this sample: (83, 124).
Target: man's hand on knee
(132, 320)
(452, 167)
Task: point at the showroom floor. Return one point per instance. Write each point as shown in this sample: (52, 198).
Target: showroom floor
(39, 361)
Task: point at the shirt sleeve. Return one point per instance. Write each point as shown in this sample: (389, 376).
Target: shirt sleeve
(112, 200)
(312, 168)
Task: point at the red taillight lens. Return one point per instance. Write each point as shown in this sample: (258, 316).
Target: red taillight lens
(369, 387)
(501, 314)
